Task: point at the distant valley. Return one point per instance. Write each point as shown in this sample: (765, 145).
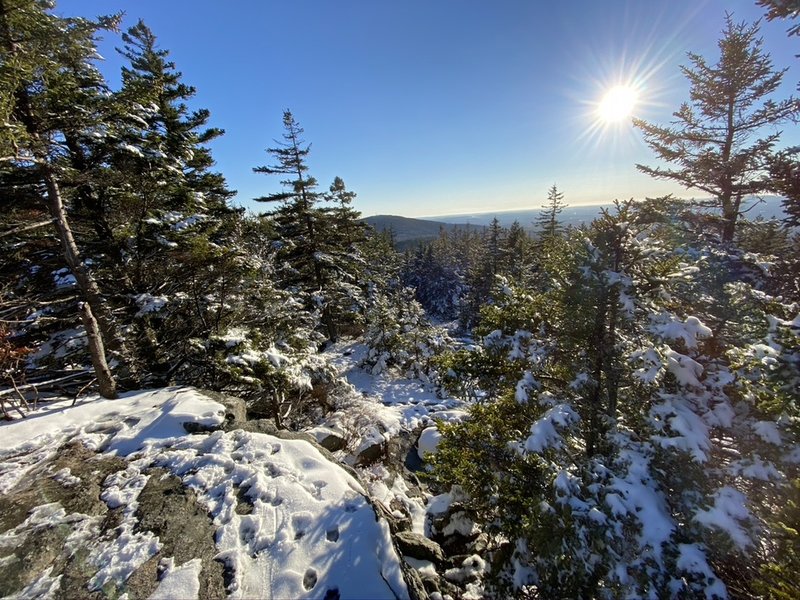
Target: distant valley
(409, 232)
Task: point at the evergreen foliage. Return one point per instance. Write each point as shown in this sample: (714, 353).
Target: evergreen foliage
(606, 390)
(633, 384)
(718, 143)
(318, 246)
(547, 224)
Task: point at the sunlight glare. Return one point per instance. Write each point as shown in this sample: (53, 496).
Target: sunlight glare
(617, 104)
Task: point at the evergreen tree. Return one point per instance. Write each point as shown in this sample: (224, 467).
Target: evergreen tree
(516, 252)
(635, 419)
(51, 91)
(165, 209)
(782, 9)
(717, 142)
(547, 224)
(318, 244)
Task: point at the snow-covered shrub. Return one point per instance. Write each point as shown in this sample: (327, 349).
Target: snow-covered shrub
(650, 429)
(400, 337)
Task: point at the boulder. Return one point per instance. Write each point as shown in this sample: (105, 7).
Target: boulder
(235, 413)
(328, 438)
(418, 546)
(260, 426)
(448, 523)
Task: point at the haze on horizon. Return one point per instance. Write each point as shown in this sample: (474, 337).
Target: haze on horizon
(441, 108)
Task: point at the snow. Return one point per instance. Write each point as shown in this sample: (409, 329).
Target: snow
(149, 304)
(635, 494)
(728, 513)
(685, 369)
(132, 149)
(471, 567)
(311, 528)
(684, 429)
(395, 403)
(768, 431)
(64, 279)
(428, 441)
(692, 559)
(188, 222)
(689, 330)
(544, 432)
(179, 583)
(42, 588)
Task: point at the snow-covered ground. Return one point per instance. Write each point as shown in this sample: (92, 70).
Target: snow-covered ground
(309, 529)
(399, 403)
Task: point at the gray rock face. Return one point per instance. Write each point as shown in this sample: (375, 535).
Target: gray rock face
(185, 531)
(259, 426)
(370, 454)
(418, 546)
(328, 438)
(166, 508)
(31, 551)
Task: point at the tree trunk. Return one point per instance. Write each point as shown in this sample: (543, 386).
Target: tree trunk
(105, 380)
(86, 284)
(730, 214)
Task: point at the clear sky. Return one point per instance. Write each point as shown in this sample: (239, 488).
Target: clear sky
(429, 107)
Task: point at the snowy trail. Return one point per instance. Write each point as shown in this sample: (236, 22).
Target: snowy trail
(403, 403)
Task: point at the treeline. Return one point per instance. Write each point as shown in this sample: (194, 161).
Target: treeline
(117, 235)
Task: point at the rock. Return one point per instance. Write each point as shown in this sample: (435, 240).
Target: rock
(401, 514)
(185, 531)
(260, 426)
(414, 583)
(369, 454)
(328, 438)
(235, 413)
(448, 523)
(431, 582)
(418, 546)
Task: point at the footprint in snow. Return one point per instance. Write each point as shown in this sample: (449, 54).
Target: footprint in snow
(318, 485)
(332, 535)
(301, 523)
(310, 579)
(276, 448)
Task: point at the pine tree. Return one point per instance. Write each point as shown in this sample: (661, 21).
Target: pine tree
(159, 165)
(717, 142)
(516, 252)
(315, 241)
(547, 224)
(50, 90)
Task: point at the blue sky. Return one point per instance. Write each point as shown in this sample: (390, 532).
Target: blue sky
(429, 107)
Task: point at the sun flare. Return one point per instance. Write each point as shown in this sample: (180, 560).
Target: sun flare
(617, 104)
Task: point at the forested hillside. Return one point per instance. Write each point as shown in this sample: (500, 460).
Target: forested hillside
(606, 411)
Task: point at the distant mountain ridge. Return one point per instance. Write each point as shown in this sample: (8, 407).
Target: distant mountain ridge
(770, 208)
(409, 232)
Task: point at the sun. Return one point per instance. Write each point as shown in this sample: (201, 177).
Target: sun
(617, 104)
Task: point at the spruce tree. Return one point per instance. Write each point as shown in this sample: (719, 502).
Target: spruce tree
(547, 224)
(50, 92)
(721, 141)
(315, 240)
